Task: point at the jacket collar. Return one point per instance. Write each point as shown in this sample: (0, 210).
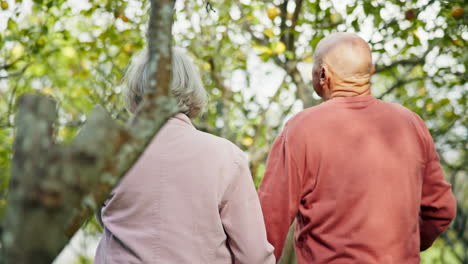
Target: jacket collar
(181, 119)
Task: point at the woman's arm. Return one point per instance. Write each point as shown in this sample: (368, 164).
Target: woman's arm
(242, 218)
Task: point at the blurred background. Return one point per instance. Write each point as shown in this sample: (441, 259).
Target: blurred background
(255, 58)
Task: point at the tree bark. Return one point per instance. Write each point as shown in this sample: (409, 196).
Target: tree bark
(53, 188)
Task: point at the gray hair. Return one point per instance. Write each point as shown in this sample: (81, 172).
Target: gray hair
(186, 85)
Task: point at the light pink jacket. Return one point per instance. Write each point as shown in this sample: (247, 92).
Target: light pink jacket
(189, 199)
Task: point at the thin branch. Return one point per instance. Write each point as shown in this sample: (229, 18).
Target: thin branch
(216, 76)
(10, 103)
(209, 6)
(304, 94)
(259, 40)
(408, 62)
(18, 73)
(284, 13)
(264, 110)
(447, 164)
(400, 83)
(258, 154)
(292, 31)
(226, 94)
(9, 65)
(304, 91)
(404, 62)
(397, 20)
(452, 247)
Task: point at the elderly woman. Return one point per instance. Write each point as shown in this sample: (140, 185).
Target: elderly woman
(190, 197)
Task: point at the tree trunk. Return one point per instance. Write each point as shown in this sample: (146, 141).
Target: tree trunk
(53, 188)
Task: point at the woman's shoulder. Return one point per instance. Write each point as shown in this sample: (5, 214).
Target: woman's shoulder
(219, 144)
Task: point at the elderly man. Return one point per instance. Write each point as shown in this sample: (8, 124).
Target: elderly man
(190, 197)
(361, 176)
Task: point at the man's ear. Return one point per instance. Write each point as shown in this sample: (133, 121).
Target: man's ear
(323, 75)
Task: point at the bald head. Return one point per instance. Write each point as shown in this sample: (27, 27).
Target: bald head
(343, 65)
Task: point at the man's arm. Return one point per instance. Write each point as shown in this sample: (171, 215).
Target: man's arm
(280, 193)
(438, 205)
(243, 220)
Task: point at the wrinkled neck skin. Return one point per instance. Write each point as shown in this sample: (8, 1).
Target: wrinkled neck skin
(349, 87)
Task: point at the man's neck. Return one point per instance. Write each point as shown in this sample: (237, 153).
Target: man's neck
(351, 88)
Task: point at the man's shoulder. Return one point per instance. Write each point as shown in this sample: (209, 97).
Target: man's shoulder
(308, 115)
(398, 107)
(403, 111)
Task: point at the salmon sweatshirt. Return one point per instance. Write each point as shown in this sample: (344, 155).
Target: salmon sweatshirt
(363, 180)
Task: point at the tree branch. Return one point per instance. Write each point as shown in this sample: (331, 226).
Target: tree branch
(150, 117)
(160, 39)
(284, 13)
(20, 72)
(257, 154)
(10, 104)
(53, 188)
(6, 66)
(400, 83)
(291, 32)
(304, 93)
(404, 62)
(31, 195)
(226, 95)
(408, 62)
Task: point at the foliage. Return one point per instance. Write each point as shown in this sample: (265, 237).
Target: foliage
(255, 59)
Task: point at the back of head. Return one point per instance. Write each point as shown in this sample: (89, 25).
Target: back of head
(342, 66)
(186, 85)
(347, 55)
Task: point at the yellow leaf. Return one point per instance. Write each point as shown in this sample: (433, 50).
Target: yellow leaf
(308, 57)
(336, 18)
(263, 49)
(246, 18)
(206, 66)
(69, 52)
(273, 12)
(247, 141)
(17, 51)
(124, 18)
(458, 42)
(280, 47)
(85, 64)
(429, 107)
(47, 91)
(422, 91)
(269, 33)
(128, 48)
(4, 5)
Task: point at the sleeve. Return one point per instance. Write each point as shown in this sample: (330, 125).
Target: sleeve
(438, 204)
(242, 219)
(280, 193)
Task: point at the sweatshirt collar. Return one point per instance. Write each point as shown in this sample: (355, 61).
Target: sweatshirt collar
(354, 101)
